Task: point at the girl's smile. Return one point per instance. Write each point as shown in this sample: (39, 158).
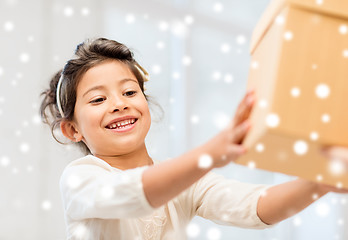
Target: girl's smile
(123, 124)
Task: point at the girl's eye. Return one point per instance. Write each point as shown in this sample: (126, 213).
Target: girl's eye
(130, 93)
(97, 100)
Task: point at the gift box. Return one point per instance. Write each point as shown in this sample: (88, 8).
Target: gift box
(299, 69)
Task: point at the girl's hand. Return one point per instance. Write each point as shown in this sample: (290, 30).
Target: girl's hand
(336, 153)
(227, 145)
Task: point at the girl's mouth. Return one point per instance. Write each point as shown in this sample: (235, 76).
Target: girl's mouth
(122, 126)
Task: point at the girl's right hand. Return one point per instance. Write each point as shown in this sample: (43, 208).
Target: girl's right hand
(228, 144)
(336, 153)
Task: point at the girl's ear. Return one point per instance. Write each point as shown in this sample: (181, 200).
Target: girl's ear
(70, 131)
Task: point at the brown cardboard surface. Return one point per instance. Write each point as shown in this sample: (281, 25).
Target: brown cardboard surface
(334, 8)
(299, 69)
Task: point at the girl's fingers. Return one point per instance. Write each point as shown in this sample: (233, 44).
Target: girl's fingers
(329, 188)
(235, 151)
(239, 132)
(244, 108)
(335, 153)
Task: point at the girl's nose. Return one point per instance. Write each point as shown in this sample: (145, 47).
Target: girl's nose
(118, 109)
(119, 105)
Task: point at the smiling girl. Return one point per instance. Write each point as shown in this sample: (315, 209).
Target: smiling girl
(117, 191)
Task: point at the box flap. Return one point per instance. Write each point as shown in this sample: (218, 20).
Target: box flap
(338, 8)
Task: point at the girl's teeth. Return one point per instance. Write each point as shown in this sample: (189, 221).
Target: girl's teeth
(122, 124)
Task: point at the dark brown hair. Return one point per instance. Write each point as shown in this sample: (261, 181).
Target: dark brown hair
(87, 55)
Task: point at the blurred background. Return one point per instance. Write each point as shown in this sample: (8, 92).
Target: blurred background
(197, 53)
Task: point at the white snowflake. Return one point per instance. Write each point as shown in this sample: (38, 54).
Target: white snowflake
(46, 205)
(218, 7)
(106, 192)
(280, 20)
(322, 209)
(130, 18)
(12, 2)
(241, 39)
(300, 147)
(228, 78)
(263, 103)
(314, 136)
(205, 161)
(339, 185)
(14, 83)
(263, 193)
(189, 19)
(343, 29)
(259, 147)
(176, 75)
(345, 53)
(56, 58)
(194, 119)
(15, 170)
(255, 64)
(179, 29)
(295, 92)
(25, 123)
(272, 120)
(36, 119)
(24, 147)
(186, 60)
(163, 26)
(156, 69)
(216, 75)
(221, 120)
(68, 11)
(193, 230)
(30, 38)
(160, 45)
(213, 233)
(172, 127)
(80, 232)
(73, 181)
(297, 221)
(251, 164)
(85, 11)
(319, 177)
(325, 118)
(319, 2)
(225, 48)
(322, 91)
(30, 168)
(8, 26)
(337, 167)
(19, 75)
(288, 35)
(5, 161)
(24, 57)
(315, 196)
(340, 222)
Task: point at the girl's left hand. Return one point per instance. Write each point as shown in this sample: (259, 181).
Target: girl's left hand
(335, 153)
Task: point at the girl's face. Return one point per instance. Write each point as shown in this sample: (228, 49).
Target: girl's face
(111, 113)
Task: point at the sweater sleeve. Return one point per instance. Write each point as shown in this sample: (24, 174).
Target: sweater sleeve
(228, 202)
(91, 190)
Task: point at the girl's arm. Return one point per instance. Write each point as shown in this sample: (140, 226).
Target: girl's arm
(284, 200)
(164, 181)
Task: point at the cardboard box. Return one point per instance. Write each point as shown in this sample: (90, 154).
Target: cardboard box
(299, 69)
